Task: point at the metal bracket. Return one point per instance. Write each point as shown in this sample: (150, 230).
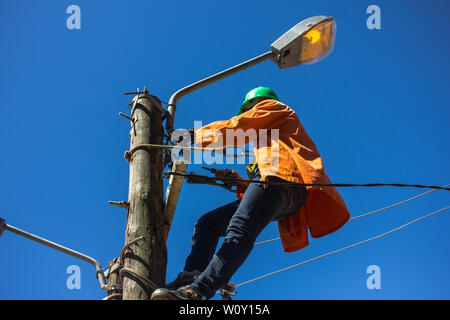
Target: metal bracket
(125, 116)
(152, 98)
(228, 291)
(112, 268)
(114, 288)
(120, 204)
(132, 120)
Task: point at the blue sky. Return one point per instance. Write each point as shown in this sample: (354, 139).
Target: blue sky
(377, 109)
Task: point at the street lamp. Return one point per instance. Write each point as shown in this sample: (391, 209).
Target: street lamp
(309, 41)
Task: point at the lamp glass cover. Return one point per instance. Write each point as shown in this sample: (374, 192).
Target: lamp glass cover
(318, 42)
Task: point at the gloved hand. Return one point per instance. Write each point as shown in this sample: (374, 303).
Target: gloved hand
(226, 173)
(229, 173)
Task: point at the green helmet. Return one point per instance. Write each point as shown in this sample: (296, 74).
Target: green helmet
(257, 93)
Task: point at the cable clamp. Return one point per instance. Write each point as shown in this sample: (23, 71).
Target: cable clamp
(228, 291)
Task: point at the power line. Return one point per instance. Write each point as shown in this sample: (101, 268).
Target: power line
(371, 212)
(197, 178)
(345, 248)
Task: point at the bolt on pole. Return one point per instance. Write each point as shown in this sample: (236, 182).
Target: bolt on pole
(144, 261)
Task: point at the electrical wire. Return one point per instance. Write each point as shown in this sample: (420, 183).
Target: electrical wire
(290, 183)
(345, 248)
(371, 212)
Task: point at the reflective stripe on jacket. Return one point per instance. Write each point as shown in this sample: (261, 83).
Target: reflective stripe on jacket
(290, 154)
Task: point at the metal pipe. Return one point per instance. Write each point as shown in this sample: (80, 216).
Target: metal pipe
(99, 274)
(171, 108)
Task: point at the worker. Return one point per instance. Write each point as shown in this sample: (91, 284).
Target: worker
(296, 208)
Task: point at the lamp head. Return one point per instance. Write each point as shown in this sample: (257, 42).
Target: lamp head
(309, 41)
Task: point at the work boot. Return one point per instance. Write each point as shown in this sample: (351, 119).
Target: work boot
(183, 279)
(183, 293)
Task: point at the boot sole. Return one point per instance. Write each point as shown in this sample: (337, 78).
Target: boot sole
(163, 294)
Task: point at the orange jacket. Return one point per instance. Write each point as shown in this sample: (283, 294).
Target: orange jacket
(292, 157)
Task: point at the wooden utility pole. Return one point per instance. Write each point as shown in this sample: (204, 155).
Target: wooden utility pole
(145, 254)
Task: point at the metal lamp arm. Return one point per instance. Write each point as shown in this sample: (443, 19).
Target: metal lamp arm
(100, 275)
(207, 81)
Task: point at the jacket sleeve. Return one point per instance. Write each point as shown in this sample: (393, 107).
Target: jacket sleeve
(268, 114)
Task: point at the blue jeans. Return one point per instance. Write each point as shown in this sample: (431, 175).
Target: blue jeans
(240, 222)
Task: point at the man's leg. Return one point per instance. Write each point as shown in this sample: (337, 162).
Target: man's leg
(207, 231)
(257, 208)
